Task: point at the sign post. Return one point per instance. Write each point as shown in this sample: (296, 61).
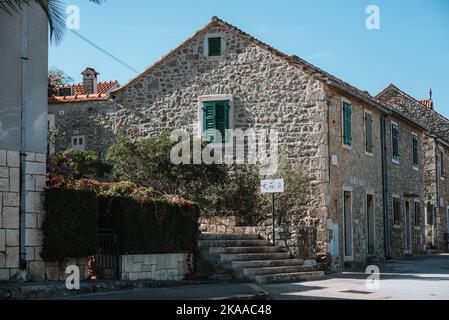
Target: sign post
(273, 187)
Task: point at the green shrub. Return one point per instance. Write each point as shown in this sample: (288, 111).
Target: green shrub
(150, 226)
(71, 224)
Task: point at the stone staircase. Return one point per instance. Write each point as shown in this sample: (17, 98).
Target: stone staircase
(247, 257)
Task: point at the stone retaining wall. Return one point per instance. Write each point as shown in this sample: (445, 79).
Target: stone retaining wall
(159, 267)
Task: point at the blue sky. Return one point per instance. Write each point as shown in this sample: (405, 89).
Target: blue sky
(411, 49)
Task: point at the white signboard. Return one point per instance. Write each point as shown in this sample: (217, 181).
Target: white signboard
(272, 186)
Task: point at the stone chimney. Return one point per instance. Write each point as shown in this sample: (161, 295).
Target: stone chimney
(90, 81)
(428, 103)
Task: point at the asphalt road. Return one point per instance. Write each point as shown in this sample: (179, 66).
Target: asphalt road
(424, 278)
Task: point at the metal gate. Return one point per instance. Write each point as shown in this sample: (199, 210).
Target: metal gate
(106, 263)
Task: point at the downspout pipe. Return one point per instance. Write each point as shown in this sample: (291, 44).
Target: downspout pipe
(383, 134)
(23, 135)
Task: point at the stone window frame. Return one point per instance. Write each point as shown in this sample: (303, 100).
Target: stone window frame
(344, 100)
(394, 160)
(416, 168)
(214, 97)
(206, 45)
(351, 191)
(396, 197)
(366, 111)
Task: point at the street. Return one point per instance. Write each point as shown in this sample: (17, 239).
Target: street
(423, 278)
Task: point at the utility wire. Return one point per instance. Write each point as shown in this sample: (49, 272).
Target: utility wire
(105, 51)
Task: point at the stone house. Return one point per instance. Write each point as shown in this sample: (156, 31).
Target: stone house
(435, 153)
(343, 136)
(74, 111)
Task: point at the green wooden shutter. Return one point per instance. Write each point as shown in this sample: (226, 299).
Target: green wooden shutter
(415, 151)
(214, 47)
(222, 118)
(395, 137)
(209, 121)
(215, 117)
(369, 132)
(347, 128)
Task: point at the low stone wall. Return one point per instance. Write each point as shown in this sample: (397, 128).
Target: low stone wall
(159, 267)
(55, 271)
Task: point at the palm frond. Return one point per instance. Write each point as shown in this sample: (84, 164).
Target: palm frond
(54, 10)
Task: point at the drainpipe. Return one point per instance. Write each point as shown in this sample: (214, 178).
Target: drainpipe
(383, 134)
(437, 194)
(23, 135)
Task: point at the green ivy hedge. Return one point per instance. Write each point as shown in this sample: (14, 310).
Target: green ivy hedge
(151, 226)
(146, 223)
(71, 224)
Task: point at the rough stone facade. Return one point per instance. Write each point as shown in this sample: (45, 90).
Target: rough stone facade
(82, 119)
(359, 174)
(405, 183)
(436, 186)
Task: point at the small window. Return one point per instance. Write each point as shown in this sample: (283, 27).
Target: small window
(395, 141)
(214, 44)
(347, 125)
(369, 132)
(417, 214)
(67, 91)
(441, 164)
(396, 211)
(79, 143)
(415, 146)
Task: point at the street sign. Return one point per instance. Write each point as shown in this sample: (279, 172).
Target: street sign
(272, 186)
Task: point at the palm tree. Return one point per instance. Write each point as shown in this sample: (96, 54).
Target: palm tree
(54, 10)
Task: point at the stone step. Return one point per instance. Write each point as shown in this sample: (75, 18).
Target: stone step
(289, 277)
(232, 243)
(266, 263)
(254, 256)
(228, 236)
(251, 273)
(238, 250)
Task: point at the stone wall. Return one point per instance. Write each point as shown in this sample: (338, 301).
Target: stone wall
(406, 183)
(10, 214)
(355, 171)
(159, 267)
(83, 119)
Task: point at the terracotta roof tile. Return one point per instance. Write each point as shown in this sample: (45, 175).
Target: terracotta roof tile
(78, 98)
(427, 103)
(103, 88)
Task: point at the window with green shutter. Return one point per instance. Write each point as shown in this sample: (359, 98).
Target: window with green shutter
(347, 127)
(214, 46)
(215, 118)
(415, 145)
(369, 132)
(395, 141)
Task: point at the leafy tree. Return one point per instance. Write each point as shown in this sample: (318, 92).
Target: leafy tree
(56, 78)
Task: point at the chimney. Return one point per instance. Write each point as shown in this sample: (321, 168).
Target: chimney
(428, 103)
(90, 81)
